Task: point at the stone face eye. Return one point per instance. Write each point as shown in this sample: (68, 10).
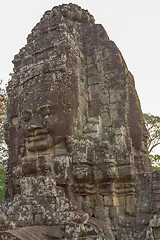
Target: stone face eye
(44, 111)
(27, 116)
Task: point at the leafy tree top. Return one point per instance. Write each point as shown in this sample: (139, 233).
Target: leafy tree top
(153, 126)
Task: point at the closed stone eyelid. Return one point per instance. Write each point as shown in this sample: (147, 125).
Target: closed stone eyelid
(26, 113)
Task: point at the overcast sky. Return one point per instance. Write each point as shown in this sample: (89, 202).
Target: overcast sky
(132, 24)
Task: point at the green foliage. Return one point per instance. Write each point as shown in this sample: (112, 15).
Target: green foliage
(156, 168)
(3, 146)
(3, 120)
(153, 126)
(155, 159)
(2, 184)
(79, 136)
(92, 204)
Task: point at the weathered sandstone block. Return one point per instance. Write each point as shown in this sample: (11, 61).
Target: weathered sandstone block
(78, 160)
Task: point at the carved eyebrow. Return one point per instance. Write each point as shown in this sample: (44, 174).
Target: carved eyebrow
(47, 106)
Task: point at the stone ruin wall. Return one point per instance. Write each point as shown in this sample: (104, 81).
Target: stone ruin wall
(78, 162)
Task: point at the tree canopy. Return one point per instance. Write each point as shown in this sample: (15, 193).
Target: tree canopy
(153, 126)
(3, 146)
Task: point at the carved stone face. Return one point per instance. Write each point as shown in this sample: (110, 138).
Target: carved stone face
(43, 122)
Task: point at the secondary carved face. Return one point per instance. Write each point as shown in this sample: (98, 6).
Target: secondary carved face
(44, 122)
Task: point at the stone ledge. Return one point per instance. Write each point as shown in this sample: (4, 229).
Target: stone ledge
(33, 233)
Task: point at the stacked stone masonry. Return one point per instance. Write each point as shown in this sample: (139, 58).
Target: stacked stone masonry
(78, 162)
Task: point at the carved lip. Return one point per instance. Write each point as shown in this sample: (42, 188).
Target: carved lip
(37, 137)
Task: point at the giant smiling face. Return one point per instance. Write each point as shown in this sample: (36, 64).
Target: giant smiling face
(43, 121)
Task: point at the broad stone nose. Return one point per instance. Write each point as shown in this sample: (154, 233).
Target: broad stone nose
(33, 127)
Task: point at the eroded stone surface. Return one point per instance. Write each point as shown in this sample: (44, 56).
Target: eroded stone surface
(77, 141)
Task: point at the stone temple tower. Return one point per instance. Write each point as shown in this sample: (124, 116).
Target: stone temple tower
(78, 162)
